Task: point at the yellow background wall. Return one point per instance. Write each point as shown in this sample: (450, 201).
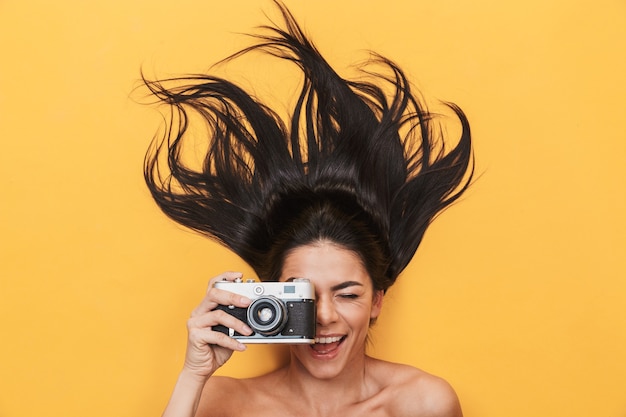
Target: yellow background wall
(516, 296)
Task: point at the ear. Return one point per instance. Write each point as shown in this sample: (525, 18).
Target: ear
(377, 304)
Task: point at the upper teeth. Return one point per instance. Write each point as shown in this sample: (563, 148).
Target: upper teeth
(327, 339)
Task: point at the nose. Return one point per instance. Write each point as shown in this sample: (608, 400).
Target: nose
(326, 312)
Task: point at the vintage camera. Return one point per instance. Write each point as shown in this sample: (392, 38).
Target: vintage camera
(280, 312)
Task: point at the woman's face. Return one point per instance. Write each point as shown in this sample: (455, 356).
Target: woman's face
(346, 303)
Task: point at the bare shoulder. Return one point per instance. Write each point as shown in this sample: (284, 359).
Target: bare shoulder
(217, 389)
(417, 393)
(225, 396)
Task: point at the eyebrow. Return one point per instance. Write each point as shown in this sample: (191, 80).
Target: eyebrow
(345, 285)
(338, 287)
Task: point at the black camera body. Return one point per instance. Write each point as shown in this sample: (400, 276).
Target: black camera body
(280, 312)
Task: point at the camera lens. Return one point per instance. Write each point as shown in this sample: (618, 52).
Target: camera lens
(267, 315)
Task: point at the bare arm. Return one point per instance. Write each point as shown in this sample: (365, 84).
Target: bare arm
(206, 350)
(186, 396)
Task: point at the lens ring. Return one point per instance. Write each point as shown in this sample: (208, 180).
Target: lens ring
(267, 315)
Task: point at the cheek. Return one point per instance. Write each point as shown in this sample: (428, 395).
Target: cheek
(358, 315)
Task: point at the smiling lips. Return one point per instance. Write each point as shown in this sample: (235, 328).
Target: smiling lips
(327, 345)
(324, 340)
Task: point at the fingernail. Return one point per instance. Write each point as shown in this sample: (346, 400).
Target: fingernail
(247, 330)
(244, 300)
(241, 347)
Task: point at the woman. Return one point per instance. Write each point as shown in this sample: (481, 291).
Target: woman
(341, 195)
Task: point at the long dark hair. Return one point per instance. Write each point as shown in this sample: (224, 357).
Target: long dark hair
(362, 164)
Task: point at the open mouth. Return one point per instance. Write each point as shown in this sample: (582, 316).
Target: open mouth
(325, 340)
(325, 345)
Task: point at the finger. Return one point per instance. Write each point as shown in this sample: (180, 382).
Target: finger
(219, 317)
(224, 276)
(216, 296)
(199, 337)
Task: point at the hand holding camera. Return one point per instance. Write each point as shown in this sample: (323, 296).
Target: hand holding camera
(208, 349)
(234, 312)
